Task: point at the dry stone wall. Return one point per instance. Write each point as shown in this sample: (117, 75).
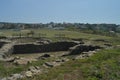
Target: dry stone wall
(6, 50)
(35, 48)
(78, 49)
(2, 43)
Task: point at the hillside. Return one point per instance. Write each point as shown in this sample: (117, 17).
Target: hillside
(101, 64)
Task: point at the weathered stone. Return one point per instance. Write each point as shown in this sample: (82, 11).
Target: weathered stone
(34, 69)
(17, 57)
(46, 55)
(11, 59)
(10, 78)
(37, 67)
(49, 64)
(65, 60)
(21, 62)
(1, 57)
(31, 68)
(79, 49)
(79, 57)
(52, 64)
(117, 45)
(28, 74)
(58, 60)
(3, 79)
(109, 45)
(17, 76)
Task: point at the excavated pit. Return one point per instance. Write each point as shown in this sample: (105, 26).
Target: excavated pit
(78, 49)
(26, 48)
(41, 48)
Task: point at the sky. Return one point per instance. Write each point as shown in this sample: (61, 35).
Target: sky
(44, 11)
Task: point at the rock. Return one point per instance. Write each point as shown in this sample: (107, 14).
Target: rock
(117, 45)
(109, 45)
(1, 57)
(49, 64)
(85, 55)
(34, 69)
(4, 79)
(17, 76)
(21, 62)
(31, 68)
(58, 60)
(79, 49)
(52, 64)
(46, 55)
(97, 50)
(28, 74)
(64, 54)
(37, 67)
(78, 57)
(17, 57)
(11, 59)
(10, 78)
(65, 60)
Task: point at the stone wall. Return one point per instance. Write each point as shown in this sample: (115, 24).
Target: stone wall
(2, 43)
(78, 49)
(34, 48)
(6, 50)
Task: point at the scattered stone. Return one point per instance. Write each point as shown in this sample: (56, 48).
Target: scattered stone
(46, 55)
(4, 79)
(97, 50)
(11, 59)
(49, 64)
(52, 64)
(78, 57)
(28, 74)
(79, 49)
(37, 67)
(65, 60)
(109, 45)
(17, 57)
(58, 60)
(64, 54)
(117, 45)
(34, 69)
(17, 76)
(21, 62)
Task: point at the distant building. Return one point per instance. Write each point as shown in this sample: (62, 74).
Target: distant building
(50, 27)
(112, 31)
(59, 28)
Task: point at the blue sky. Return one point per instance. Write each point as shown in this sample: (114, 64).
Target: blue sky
(37, 11)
